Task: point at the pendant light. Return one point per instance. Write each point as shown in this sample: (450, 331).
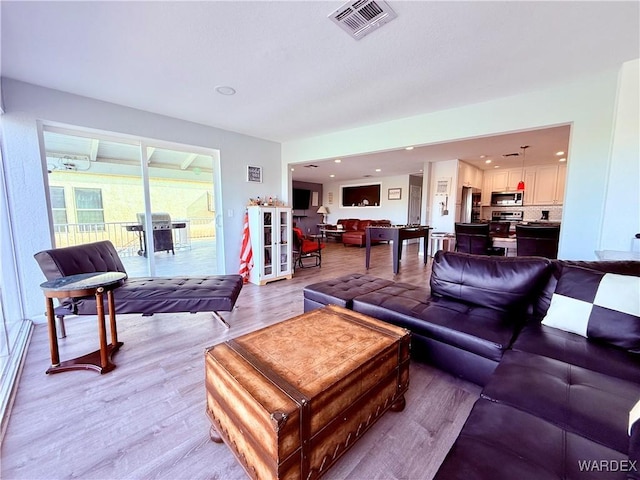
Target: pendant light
(521, 182)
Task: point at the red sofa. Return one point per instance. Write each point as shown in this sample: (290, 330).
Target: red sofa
(355, 230)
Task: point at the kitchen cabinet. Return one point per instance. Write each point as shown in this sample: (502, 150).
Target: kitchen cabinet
(469, 176)
(560, 183)
(486, 188)
(463, 175)
(529, 186)
(515, 176)
(478, 176)
(544, 184)
(270, 231)
(499, 181)
(506, 180)
(549, 185)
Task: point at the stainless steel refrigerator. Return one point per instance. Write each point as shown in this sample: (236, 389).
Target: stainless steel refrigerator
(470, 205)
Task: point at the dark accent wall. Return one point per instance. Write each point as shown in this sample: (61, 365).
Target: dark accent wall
(308, 219)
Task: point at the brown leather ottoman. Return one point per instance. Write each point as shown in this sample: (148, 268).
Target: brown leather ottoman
(291, 398)
(341, 291)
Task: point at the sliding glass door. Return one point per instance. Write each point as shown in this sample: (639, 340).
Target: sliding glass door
(181, 191)
(15, 329)
(103, 188)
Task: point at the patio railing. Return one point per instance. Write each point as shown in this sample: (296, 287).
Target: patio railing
(128, 242)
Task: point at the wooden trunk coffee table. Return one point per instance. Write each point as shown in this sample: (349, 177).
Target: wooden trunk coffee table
(291, 398)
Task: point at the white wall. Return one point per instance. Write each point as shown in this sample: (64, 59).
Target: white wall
(26, 105)
(598, 180)
(587, 104)
(1, 97)
(621, 219)
(447, 169)
(394, 210)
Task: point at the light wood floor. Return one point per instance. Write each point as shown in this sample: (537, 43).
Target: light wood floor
(146, 419)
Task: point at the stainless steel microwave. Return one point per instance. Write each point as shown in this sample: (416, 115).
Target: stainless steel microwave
(503, 199)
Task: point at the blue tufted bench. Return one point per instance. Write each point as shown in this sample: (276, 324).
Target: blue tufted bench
(145, 295)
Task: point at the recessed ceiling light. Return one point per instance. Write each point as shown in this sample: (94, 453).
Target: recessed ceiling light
(483, 156)
(562, 160)
(337, 160)
(378, 169)
(332, 175)
(409, 148)
(225, 90)
(488, 161)
(293, 169)
(559, 153)
(496, 166)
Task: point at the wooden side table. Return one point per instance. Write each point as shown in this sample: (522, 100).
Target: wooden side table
(333, 233)
(83, 285)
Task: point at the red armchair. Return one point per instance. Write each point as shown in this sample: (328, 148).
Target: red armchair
(304, 247)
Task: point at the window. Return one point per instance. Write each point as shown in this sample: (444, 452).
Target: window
(58, 209)
(89, 211)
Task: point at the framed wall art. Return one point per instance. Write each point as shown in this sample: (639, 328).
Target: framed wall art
(254, 174)
(394, 193)
(361, 195)
(443, 186)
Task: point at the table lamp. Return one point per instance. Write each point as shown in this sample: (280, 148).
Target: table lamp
(323, 211)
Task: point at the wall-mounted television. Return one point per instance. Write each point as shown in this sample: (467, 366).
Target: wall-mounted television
(301, 198)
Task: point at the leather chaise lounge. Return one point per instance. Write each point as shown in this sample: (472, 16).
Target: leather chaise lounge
(145, 295)
(556, 400)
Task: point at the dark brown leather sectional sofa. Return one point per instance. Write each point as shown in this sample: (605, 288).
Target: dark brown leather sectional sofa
(554, 404)
(355, 230)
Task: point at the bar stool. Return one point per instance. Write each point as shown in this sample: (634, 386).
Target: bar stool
(534, 240)
(474, 238)
(441, 241)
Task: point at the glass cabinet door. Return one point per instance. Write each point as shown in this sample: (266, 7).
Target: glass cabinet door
(267, 225)
(285, 232)
(271, 243)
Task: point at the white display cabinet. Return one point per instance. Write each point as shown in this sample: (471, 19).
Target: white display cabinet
(270, 231)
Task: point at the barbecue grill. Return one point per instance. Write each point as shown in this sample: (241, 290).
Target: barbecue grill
(162, 227)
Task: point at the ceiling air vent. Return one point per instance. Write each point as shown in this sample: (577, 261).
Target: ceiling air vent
(361, 17)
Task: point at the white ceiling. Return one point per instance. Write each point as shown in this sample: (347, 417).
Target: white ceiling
(85, 153)
(543, 148)
(299, 75)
